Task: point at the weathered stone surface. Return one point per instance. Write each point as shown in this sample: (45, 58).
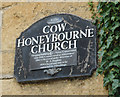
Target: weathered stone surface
(0, 63)
(17, 18)
(8, 62)
(0, 87)
(6, 5)
(20, 16)
(56, 87)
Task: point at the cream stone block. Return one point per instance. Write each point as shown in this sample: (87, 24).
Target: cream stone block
(90, 86)
(8, 62)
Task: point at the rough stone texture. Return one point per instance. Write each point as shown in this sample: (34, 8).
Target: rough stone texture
(8, 62)
(56, 87)
(0, 52)
(19, 16)
(0, 87)
(0, 63)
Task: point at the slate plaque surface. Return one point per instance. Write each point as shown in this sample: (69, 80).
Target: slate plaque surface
(57, 46)
(53, 59)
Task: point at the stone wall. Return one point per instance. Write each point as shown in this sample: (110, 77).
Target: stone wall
(18, 16)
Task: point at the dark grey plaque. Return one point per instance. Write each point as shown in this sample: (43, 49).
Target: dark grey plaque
(58, 58)
(57, 46)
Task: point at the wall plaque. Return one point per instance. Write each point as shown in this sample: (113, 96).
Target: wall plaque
(57, 46)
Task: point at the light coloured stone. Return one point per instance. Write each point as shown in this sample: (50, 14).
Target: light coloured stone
(0, 63)
(1, 88)
(90, 86)
(22, 15)
(8, 62)
(7, 4)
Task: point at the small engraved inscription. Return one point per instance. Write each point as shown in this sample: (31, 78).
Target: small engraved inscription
(53, 59)
(57, 46)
